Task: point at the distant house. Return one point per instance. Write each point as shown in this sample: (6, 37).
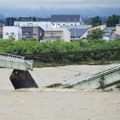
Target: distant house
(56, 34)
(32, 33)
(64, 20)
(12, 32)
(78, 33)
(109, 33)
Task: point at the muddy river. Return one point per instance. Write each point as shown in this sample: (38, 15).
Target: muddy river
(56, 104)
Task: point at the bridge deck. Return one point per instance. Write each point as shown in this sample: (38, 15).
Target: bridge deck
(103, 77)
(15, 62)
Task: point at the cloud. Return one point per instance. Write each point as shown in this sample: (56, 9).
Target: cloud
(37, 4)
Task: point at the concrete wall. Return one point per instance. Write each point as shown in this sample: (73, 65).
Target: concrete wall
(66, 35)
(118, 29)
(57, 34)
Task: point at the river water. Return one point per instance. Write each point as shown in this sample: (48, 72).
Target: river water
(55, 104)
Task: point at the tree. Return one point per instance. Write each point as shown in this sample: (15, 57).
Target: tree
(10, 21)
(112, 20)
(95, 34)
(95, 21)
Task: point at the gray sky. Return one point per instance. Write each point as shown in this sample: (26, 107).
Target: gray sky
(38, 4)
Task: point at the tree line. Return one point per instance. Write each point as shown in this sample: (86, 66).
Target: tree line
(110, 21)
(34, 47)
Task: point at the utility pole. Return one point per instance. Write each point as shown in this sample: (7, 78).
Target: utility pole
(37, 31)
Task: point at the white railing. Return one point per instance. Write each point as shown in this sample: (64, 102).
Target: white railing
(15, 62)
(11, 57)
(97, 73)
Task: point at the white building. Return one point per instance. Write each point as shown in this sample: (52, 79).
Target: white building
(65, 20)
(56, 21)
(12, 32)
(56, 34)
(42, 24)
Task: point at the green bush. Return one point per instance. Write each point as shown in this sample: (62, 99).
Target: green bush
(35, 47)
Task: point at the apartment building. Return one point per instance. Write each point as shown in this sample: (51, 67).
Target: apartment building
(56, 34)
(12, 32)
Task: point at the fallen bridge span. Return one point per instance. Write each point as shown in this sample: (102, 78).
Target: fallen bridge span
(20, 77)
(106, 76)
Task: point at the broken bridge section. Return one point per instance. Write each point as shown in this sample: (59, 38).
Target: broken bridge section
(104, 77)
(20, 77)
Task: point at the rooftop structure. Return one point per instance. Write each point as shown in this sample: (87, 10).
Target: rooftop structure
(65, 18)
(77, 33)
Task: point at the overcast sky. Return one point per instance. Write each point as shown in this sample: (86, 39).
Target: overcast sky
(38, 4)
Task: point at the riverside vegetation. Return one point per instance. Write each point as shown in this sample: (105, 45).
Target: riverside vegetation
(34, 47)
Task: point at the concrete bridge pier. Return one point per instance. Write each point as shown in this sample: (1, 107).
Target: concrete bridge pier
(22, 79)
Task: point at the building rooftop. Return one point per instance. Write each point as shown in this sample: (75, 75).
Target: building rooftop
(77, 32)
(65, 18)
(76, 26)
(44, 19)
(109, 29)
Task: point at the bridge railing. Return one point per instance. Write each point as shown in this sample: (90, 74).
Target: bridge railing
(106, 69)
(15, 62)
(13, 57)
(96, 73)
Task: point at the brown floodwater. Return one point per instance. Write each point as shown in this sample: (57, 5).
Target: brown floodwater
(51, 104)
(56, 104)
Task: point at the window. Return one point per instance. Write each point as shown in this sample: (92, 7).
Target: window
(7, 33)
(34, 33)
(52, 33)
(29, 24)
(12, 33)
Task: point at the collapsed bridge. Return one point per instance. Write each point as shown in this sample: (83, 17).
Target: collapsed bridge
(107, 76)
(104, 77)
(20, 77)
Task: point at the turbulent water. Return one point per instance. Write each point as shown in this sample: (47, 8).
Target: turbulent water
(49, 104)
(56, 104)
